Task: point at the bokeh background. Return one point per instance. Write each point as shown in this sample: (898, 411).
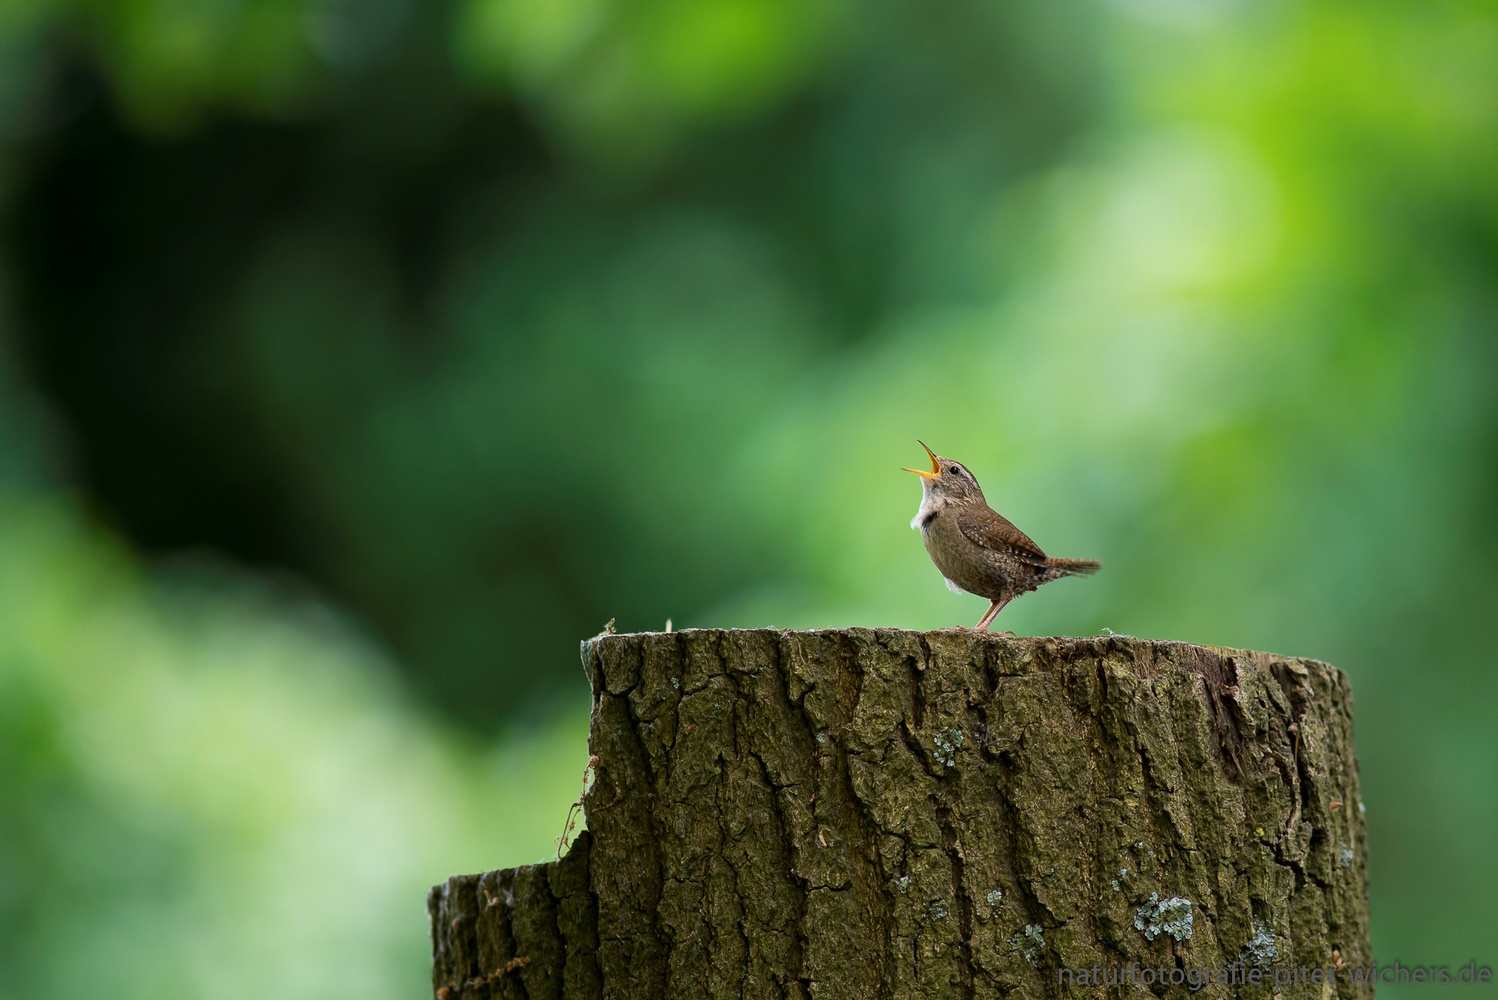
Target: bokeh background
(360, 357)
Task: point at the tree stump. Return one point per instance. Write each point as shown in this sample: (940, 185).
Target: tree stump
(876, 813)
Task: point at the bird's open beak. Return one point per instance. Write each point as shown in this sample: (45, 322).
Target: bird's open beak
(935, 465)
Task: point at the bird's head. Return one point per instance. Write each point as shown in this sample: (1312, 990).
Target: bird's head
(948, 480)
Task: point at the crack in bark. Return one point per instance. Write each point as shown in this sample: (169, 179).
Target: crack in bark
(960, 900)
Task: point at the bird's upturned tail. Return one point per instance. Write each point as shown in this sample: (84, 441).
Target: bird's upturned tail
(1081, 567)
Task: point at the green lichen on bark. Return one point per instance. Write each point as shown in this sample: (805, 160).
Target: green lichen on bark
(880, 813)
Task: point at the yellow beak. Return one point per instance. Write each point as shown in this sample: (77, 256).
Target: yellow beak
(935, 465)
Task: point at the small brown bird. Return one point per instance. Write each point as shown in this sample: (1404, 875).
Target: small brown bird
(974, 546)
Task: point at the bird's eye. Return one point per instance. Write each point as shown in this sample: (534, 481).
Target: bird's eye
(953, 470)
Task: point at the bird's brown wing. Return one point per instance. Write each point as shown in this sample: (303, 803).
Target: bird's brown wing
(993, 530)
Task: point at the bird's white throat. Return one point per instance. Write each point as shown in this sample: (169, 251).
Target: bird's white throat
(929, 505)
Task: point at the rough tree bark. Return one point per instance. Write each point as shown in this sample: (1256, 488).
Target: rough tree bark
(879, 813)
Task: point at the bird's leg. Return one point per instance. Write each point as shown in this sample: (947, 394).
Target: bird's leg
(993, 609)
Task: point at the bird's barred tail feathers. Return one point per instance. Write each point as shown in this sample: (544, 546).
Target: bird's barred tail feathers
(1081, 567)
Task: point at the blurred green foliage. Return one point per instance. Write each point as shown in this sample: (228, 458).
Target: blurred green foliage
(213, 791)
(481, 323)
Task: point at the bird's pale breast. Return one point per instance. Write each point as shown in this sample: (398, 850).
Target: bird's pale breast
(977, 570)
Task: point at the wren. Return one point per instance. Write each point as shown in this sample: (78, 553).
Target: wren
(976, 548)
